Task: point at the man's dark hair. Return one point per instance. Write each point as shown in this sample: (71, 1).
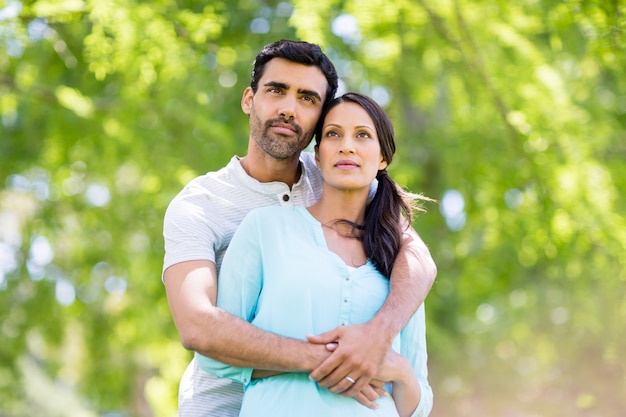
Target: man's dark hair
(301, 53)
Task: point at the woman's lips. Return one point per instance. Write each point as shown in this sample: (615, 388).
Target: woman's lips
(346, 164)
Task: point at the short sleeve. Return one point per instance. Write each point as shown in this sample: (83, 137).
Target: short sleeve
(191, 231)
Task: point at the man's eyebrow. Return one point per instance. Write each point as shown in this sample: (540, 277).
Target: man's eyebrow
(276, 84)
(310, 93)
(286, 87)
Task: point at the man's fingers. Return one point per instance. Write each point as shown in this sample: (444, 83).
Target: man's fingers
(346, 383)
(327, 337)
(332, 373)
(325, 369)
(335, 377)
(355, 388)
(340, 378)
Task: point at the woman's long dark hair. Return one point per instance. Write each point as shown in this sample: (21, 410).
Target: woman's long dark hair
(384, 222)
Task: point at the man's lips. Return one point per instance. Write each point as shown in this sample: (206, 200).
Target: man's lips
(284, 128)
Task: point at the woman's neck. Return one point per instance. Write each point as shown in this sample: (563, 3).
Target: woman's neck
(337, 204)
(342, 238)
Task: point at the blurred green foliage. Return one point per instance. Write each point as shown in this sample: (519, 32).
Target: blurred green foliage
(511, 114)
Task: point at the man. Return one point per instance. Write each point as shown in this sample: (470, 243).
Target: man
(291, 81)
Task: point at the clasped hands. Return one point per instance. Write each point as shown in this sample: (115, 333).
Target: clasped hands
(352, 367)
(353, 363)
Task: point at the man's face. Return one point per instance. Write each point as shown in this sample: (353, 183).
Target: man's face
(284, 110)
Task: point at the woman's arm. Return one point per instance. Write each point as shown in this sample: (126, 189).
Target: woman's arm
(408, 370)
(406, 391)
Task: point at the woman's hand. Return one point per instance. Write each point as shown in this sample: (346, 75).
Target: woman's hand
(395, 368)
(406, 391)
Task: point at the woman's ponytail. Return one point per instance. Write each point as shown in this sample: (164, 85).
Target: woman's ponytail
(383, 228)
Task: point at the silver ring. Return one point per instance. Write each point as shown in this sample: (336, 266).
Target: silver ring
(352, 381)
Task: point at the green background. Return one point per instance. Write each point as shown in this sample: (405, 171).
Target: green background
(510, 113)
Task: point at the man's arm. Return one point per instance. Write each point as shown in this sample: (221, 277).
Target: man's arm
(362, 348)
(204, 328)
(412, 276)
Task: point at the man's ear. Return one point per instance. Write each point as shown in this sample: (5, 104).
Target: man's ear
(246, 100)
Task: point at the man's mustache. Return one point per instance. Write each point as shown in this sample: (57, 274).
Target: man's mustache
(296, 127)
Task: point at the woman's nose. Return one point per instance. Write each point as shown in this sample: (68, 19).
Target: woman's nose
(347, 147)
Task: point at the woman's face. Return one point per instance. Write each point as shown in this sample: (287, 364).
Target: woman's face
(349, 151)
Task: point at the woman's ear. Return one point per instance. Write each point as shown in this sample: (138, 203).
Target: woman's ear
(246, 100)
(317, 155)
(383, 164)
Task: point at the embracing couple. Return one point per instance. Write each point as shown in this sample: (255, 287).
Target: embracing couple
(296, 277)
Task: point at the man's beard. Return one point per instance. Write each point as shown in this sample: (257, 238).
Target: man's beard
(278, 146)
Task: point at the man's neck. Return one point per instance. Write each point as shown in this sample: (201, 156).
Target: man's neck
(267, 169)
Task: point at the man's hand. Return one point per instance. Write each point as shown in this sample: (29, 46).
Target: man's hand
(367, 396)
(371, 392)
(360, 350)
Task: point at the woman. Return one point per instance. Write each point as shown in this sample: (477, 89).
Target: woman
(299, 271)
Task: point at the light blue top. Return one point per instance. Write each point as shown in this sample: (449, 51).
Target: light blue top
(279, 275)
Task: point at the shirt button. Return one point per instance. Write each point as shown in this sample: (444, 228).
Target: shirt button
(345, 300)
(285, 197)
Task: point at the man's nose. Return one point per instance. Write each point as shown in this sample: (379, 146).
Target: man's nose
(288, 108)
